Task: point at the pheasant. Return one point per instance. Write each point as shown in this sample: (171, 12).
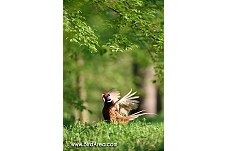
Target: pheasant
(116, 109)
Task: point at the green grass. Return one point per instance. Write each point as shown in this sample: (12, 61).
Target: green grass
(136, 135)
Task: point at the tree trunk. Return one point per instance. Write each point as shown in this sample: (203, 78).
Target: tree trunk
(150, 98)
(150, 90)
(80, 89)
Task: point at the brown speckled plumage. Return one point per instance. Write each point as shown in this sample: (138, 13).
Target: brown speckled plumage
(117, 110)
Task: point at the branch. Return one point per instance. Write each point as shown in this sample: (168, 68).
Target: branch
(149, 51)
(114, 10)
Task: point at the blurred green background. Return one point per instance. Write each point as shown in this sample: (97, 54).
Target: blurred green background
(112, 44)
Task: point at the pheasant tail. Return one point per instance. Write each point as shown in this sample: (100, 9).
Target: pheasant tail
(136, 115)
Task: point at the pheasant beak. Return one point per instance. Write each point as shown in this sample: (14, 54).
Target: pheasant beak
(103, 98)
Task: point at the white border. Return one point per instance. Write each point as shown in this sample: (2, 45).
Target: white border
(195, 75)
(31, 75)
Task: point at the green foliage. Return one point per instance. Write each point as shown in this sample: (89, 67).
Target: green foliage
(119, 43)
(107, 34)
(141, 23)
(126, 24)
(74, 100)
(136, 135)
(78, 31)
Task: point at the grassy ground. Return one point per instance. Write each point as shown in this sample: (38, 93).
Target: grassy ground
(140, 134)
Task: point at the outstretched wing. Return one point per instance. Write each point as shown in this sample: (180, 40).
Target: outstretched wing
(114, 95)
(127, 103)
